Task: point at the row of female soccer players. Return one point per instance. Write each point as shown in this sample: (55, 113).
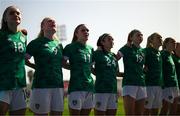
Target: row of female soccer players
(141, 93)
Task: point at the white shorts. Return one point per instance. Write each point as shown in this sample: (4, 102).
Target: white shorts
(154, 97)
(42, 101)
(179, 100)
(15, 99)
(104, 101)
(137, 92)
(80, 100)
(170, 93)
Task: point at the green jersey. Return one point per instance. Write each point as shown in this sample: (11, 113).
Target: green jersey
(106, 67)
(47, 55)
(153, 63)
(177, 65)
(133, 59)
(12, 62)
(80, 59)
(169, 70)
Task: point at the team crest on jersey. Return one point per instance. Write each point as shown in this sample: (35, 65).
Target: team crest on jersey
(22, 38)
(74, 102)
(37, 106)
(9, 39)
(46, 45)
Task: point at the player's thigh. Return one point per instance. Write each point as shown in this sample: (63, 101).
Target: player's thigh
(40, 101)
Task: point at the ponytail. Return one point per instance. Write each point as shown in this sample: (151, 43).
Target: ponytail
(75, 38)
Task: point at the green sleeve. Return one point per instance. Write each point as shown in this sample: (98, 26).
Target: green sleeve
(31, 48)
(66, 51)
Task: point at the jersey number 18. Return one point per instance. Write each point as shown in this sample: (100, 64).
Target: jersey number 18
(18, 46)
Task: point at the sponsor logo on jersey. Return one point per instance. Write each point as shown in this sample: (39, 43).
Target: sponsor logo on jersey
(84, 51)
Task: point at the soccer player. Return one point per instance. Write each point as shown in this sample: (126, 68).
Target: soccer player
(12, 63)
(153, 74)
(133, 83)
(176, 58)
(170, 86)
(47, 88)
(106, 70)
(79, 55)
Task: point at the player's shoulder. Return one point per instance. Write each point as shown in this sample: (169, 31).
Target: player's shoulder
(113, 54)
(2, 33)
(70, 45)
(124, 48)
(97, 52)
(24, 32)
(35, 42)
(88, 46)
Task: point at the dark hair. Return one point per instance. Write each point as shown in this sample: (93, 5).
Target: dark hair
(101, 38)
(74, 39)
(4, 25)
(167, 41)
(131, 34)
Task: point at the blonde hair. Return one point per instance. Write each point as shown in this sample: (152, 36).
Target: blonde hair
(75, 38)
(131, 34)
(41, 33)
(151, 38)
(166, 41)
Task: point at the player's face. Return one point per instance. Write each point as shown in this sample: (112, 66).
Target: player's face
(171, 45)
(13, 16)
(82, 33)
(137, 38)
(49, 25)
(177, 50)
(108, 42)
(157, 41)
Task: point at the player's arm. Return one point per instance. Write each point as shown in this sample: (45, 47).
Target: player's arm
(93, 69)
(145, 69)
(120, 74)
(119, 55)
(27, 61)
(65, 63)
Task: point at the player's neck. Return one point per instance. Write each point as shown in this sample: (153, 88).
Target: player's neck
(13, 28)
(137, 45)
(169, 50)
(107, 49)
(156, 47)
(82, 42)
(49, 35)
